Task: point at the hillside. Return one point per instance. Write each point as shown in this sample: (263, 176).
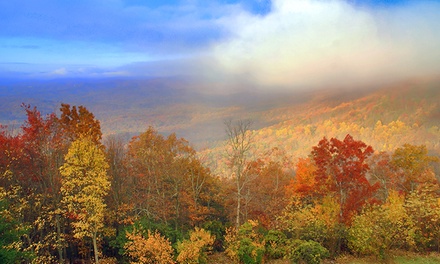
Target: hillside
(57, 176)
(385, 118)
(129, 106)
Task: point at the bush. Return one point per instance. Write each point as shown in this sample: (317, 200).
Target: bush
(250, 252)
(318, 221)
(247, 244)
(380, 228)
(10, 232)
(217, 229)
(310, 252)
(194, 250)
(153, 249)
(275, 244)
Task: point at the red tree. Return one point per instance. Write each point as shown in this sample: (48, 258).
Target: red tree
(340, 170)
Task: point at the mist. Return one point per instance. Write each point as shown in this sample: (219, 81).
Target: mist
(318, 44)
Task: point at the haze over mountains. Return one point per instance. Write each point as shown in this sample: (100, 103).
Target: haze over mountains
(128, 106)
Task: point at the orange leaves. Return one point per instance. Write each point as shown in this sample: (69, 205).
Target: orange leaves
(168, 180)
(79, 122)
(154, 249)
(304, 183)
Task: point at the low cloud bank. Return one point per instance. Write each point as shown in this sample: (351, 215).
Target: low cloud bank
(311, 43)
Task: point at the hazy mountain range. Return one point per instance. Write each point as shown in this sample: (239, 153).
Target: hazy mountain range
(129, 106)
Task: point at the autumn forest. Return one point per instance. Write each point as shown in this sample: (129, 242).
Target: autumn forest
(334, 177)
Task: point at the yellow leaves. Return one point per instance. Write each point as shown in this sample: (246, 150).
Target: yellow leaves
(231, 239)
(298, 216)
(84, 185)
(154, 249)
(247, 240)
(423, 207)
(411, 222)
(193, 250)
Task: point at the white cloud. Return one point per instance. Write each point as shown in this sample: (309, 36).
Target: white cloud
(116, 73)
(60, 71)
(309, 43)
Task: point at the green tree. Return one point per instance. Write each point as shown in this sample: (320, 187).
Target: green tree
(84, 185)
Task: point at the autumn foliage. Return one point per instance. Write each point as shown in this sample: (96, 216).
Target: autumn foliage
(341, 168)
(152, 249)
(145, 200)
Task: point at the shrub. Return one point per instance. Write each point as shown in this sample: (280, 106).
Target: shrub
(153, 249)
(217, 229)
(194, 249)
(310, 252)
(380, 228)
(275, 244)
(247, 244)
(250, 252)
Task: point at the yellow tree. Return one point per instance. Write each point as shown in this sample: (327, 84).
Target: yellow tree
(84, 185)
(414, 165)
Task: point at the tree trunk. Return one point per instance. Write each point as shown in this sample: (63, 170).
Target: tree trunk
(95, 248)
(59, 247)
(237, 220)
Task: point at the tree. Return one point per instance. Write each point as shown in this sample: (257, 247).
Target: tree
(239, 144)
(169, 183)
(265, 197)
(84, 185)
(414, 164)
(304, 183)
(384, 173)
(201, 191)
(341, 168)
(423, 207)
(317, 221)
(79, 122)
(43, 144)
(381, 228)
(119, 197)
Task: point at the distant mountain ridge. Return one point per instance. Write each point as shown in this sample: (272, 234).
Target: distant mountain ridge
(406, 112)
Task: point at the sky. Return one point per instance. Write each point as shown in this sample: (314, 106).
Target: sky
(285, 44)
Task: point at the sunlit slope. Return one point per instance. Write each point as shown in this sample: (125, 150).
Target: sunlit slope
(385, 118)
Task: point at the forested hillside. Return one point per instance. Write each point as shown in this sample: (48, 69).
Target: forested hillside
(385, 118)
(334, 173)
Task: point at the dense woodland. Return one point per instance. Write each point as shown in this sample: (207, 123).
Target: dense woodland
(68, 195)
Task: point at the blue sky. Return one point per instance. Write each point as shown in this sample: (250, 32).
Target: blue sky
(279, 43)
